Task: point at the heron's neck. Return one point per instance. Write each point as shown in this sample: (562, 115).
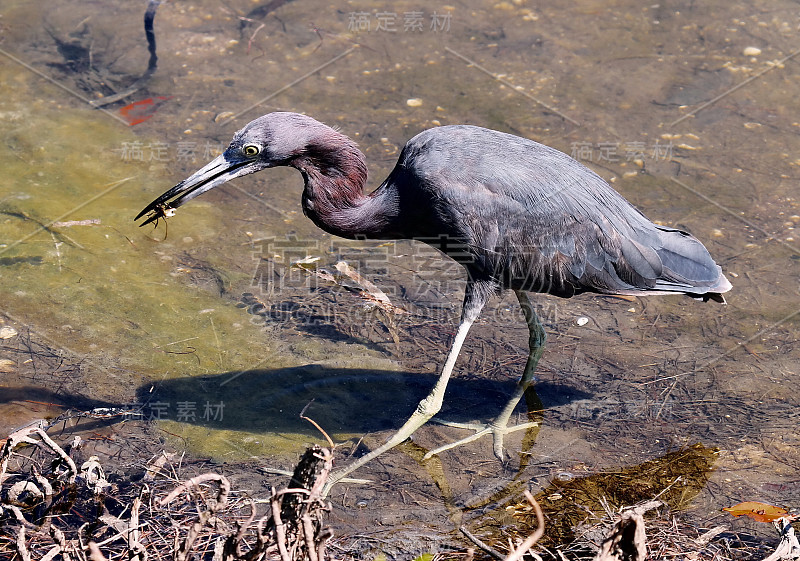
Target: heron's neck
(335, 172)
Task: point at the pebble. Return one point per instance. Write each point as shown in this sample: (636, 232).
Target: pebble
(581, 321)
(414, 102)
(751, 51)
(7, 332)
(7, 365)
(224, 115)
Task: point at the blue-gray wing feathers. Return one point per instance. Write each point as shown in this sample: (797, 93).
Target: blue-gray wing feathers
(536, 219)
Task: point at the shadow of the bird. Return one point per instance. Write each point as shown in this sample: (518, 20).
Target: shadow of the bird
(342, 400)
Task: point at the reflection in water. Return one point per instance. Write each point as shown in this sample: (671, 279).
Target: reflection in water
(438, 472)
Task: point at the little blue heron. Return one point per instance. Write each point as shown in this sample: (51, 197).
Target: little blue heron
(516, 214)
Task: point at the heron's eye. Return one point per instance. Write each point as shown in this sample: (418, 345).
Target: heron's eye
(251, 149)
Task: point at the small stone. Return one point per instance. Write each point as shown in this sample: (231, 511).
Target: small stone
(7, 332)
(751, 51)
(224, 115)
(414, 102)
(7, 365)
(581, 321)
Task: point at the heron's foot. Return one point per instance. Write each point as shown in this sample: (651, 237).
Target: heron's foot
(497, 430)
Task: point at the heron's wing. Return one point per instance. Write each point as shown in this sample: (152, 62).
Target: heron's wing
(551, 218)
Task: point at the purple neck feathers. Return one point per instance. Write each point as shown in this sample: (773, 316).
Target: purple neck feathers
(335, 173)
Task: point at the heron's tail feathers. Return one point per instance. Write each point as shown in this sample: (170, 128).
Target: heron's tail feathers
(688, 267)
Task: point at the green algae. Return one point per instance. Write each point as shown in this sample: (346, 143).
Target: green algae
(676, 478)
(124, 301)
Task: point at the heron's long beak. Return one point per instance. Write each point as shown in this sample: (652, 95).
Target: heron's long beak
(216, 172)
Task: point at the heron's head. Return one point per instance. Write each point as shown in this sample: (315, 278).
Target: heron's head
(272, 140)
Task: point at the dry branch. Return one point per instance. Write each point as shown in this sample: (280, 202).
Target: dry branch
(61, 512)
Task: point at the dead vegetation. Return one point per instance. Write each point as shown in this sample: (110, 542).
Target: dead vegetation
(591, 517)
(53, 508)
(56, 506)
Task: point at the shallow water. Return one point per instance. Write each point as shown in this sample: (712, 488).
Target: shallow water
(157, 316)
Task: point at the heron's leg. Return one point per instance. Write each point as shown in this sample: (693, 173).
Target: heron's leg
(536, 341)
(499, 427)
(428, 407)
